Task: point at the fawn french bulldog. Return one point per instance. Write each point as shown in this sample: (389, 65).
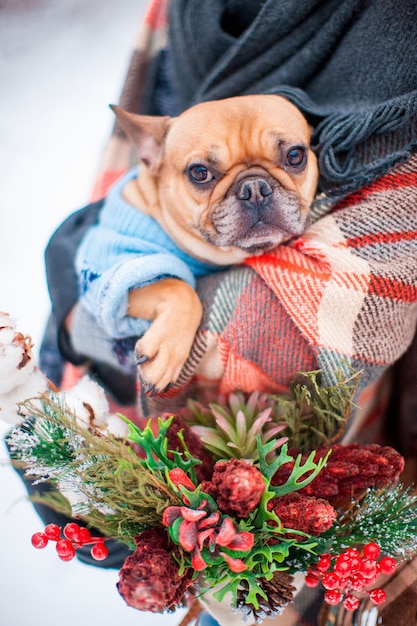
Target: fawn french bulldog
(225, 180)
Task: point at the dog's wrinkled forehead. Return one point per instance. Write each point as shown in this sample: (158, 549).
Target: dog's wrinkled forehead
(249, 126)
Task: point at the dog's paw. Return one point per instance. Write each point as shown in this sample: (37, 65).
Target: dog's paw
(160, 356)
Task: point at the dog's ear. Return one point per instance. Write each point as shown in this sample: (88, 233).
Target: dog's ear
(147, 133)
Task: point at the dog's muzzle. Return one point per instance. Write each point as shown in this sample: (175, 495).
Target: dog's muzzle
(257, 214)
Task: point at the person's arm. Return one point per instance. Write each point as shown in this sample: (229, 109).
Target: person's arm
(61, 276)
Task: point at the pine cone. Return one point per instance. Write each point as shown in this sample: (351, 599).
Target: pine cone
(237, 486)
(279, 591)
(149, 579)
(203, 471)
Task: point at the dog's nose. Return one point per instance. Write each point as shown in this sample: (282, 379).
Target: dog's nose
(254, 190)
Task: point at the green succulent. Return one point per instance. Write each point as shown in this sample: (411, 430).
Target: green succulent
(231, 430)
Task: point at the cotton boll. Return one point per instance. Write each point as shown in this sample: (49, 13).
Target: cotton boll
(16, 362)
(7, 334)
(117, 427)
(88, 402)
(6, 321)
(9, 413)
(33, 387)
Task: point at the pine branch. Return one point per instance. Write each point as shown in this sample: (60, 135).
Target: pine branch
(112, 488)
(386, 516)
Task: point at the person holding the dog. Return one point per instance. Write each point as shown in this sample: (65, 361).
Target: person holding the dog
(345, 290)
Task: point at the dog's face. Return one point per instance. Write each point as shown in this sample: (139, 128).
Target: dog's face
(234, 177)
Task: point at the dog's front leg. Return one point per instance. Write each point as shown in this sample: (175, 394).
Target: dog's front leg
(175, 311)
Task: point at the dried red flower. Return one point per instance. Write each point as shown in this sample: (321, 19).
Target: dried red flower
(237, 486)
(306, 513)
(149, 579)
(350, 469)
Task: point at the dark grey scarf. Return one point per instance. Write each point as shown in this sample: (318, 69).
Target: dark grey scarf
(350, 65)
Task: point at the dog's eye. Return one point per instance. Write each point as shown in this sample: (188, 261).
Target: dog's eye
(296, 157)
(200, 174)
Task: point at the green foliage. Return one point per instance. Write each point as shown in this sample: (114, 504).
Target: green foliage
(157, 459)
(316, 415)
(301, 474)
(45, 445)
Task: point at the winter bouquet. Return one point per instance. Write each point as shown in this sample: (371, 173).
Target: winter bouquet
(235, 497)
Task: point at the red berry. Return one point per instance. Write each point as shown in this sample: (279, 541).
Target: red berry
(65, 548)
(358, 582)
(355, 563)
(99, 551)
(352, 553)
(378, 596)
(53, 532)
(67, 557)
(343, 566)
(39, 540)
(324, 563)
(333, 597)
(72, 532)
(331, 581)
(351, 603)
(343, 582)
(369, 569)
(372, 551)
(388, 565)
(311, 580)
(84, 535)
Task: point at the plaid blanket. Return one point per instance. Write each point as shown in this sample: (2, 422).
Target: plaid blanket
(343, 294)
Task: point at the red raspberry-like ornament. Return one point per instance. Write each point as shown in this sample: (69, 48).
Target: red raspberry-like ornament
(237, 486)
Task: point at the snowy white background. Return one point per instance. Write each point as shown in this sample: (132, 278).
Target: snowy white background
(61, 63)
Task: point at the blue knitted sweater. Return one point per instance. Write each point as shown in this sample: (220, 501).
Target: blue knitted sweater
(126, 250)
